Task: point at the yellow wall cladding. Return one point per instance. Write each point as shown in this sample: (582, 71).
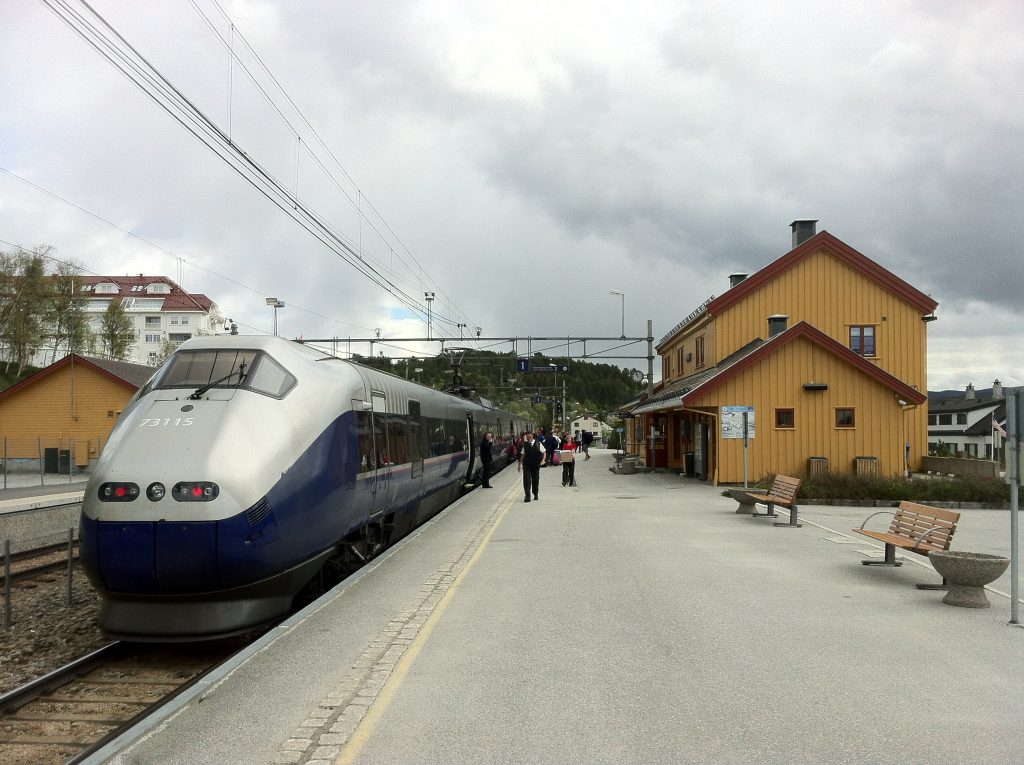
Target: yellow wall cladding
(674, 353)
(70, 403)
(832, 296)
(882, 425)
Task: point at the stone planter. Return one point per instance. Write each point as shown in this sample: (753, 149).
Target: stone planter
(967, 574)
(747, 504)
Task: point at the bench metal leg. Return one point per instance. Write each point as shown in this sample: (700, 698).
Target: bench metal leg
(929, 586)
(770, 512)
(889, 560)
(792, 519)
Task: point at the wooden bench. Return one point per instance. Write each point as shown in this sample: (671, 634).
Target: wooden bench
(916, 528)
(782, 492)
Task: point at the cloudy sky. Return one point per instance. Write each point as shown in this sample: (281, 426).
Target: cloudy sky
(520, 160)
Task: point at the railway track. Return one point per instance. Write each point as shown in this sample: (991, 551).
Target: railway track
(42, 560)
(65, 715)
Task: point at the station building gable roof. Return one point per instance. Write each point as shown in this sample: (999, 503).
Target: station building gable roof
(824, 241)
(130, 376)
(678, 389)
(820, 242)
(689, 391)
(819, 338)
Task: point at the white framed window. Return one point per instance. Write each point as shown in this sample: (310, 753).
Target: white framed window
(152, 322)
(153, 338)
(158, 288)
(144, 304)
(138, 287)
(174, 320)
(107, 288)
(184, 320)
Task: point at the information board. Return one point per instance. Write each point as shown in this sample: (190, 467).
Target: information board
(732, 421)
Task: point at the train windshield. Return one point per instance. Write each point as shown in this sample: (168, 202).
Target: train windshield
(224, 368)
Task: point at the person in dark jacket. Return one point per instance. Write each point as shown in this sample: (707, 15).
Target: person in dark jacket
(588, 437)
(486, 458)
(551, 443)
(530, 457)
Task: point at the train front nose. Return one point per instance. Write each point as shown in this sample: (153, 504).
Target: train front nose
(154, 525)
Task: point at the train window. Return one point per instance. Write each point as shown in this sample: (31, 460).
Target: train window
(367, 449)
(193, 369)
(437, 436)
(146, 388)
(415, 449)
(397, 439)
(270, 377)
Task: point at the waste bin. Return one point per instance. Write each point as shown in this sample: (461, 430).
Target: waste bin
(817, 465)
(689, 462)
(628, 465)
(50, 460)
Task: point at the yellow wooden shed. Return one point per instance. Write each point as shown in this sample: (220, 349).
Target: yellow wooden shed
(62, 415)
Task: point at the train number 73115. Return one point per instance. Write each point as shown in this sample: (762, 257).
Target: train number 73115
(152, 422)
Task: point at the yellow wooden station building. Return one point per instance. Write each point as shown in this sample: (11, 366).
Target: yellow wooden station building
(822, 355)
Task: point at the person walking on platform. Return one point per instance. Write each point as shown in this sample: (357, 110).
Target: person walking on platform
(530, 457)
(568, 461)
(486, 458)
(551, 442)
(587, 438)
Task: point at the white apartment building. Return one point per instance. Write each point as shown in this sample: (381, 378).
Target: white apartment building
(586, 422)
(160, 311)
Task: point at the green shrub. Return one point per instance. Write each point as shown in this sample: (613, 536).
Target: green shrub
(840, 486)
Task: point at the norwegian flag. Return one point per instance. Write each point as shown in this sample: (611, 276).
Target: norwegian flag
(998, 427)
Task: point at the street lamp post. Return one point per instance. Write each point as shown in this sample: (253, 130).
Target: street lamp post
(623, 296)
(274, 303)
(429, 297)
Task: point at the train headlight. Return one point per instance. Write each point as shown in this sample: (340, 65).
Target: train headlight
(156, 492)
(195, 491)
(118, 492)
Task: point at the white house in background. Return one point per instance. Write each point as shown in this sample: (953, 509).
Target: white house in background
(971, 424)
(160, 311)
(587, 422)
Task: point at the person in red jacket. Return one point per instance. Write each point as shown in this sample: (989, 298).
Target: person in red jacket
(568, 461)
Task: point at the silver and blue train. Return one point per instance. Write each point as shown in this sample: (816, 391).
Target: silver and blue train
(247, 467)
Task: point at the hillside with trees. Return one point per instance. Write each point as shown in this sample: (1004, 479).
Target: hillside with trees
(598, 389)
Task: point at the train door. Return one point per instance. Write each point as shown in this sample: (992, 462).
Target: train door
(381, 459)
(472, 448)
(417, 441)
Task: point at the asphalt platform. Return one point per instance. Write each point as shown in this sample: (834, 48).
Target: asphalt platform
(631, 619)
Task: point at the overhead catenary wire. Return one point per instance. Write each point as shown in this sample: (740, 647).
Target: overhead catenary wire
(155, 246)
(357, 205)
(138, 70)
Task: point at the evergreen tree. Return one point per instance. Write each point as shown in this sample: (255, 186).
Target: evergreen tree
(116, 333)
